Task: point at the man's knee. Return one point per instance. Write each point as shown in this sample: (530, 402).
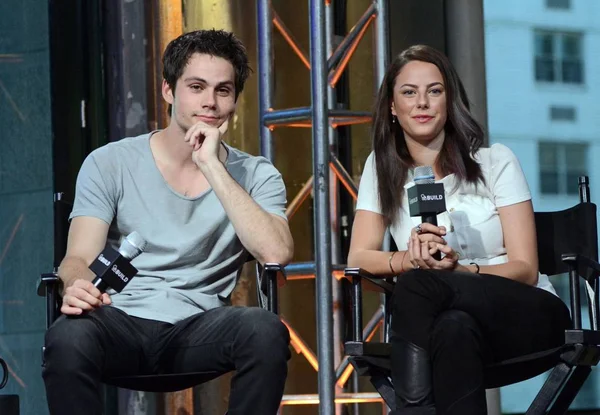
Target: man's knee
(69, 340)
(264, 332)
(69, 331)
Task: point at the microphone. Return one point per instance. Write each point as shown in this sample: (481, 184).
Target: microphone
(426, 198)
(113, 269)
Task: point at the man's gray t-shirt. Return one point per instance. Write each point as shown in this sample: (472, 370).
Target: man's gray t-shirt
(193, 256)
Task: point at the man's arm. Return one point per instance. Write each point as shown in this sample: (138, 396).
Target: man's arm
(87, 238)
(266, 236)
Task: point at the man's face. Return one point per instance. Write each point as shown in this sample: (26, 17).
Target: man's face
(204, 92)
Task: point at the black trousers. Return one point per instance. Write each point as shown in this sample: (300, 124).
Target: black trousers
(504, 319)
(83, 350)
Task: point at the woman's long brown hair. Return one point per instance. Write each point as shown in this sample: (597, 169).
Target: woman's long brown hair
(463, 135)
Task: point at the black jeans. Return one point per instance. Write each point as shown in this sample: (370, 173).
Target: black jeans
(83, 350)
(509, 319)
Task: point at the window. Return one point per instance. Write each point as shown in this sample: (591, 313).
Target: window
(558, 57)
(558, 4)
(560, 166)
(560, 113)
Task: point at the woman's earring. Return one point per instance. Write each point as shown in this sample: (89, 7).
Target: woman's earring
(393, 120)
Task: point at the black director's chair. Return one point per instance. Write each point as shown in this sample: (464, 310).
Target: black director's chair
(567, 243)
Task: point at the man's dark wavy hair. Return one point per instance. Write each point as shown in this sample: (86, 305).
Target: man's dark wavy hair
(212, 42)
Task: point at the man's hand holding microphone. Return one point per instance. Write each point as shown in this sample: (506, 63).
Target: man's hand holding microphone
(112, 269)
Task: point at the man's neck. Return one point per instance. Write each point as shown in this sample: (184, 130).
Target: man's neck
(170, 148)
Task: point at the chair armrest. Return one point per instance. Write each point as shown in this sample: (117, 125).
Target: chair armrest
(273, 270)
(49, 287)
(364, 279)
(588, 269)
(269, 277)
(583, 263)
(47, 282)
(371, 282)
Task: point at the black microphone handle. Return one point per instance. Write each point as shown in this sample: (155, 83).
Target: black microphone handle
(432, 218)
(100, 284)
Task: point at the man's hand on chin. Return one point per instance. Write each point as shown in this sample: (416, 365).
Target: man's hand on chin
(205, 141)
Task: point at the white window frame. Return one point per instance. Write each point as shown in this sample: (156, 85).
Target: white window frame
(558, 58)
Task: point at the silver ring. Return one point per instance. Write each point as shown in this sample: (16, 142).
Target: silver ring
(418, 229)
(417, 267)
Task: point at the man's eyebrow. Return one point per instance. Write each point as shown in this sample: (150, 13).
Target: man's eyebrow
(198, 79)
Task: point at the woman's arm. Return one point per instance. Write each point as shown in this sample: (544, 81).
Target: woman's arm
(368, 231)
(367, 238)
(518, 227)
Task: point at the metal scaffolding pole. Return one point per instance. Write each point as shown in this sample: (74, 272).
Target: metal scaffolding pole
(318, 80)
(334, 206)
(382, 50)
(382, 44)
(265, 81)
(326, 66)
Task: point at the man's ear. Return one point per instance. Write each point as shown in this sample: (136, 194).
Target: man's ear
(167, 93)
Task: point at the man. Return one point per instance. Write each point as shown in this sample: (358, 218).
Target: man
(202, 206)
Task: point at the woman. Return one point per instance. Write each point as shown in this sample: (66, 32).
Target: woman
(483, 301)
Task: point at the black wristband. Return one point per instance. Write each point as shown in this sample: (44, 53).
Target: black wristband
(477, 266)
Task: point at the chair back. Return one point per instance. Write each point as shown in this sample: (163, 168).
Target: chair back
(62, 210)
(572, 230)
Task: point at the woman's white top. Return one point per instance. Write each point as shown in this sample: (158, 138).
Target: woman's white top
(471, 219)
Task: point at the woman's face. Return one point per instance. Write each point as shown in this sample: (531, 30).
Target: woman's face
(419, 101)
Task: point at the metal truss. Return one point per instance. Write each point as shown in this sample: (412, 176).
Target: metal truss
(326, 65)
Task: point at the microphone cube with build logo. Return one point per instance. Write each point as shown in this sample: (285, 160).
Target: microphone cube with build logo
(426, 199)
(113, 269)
